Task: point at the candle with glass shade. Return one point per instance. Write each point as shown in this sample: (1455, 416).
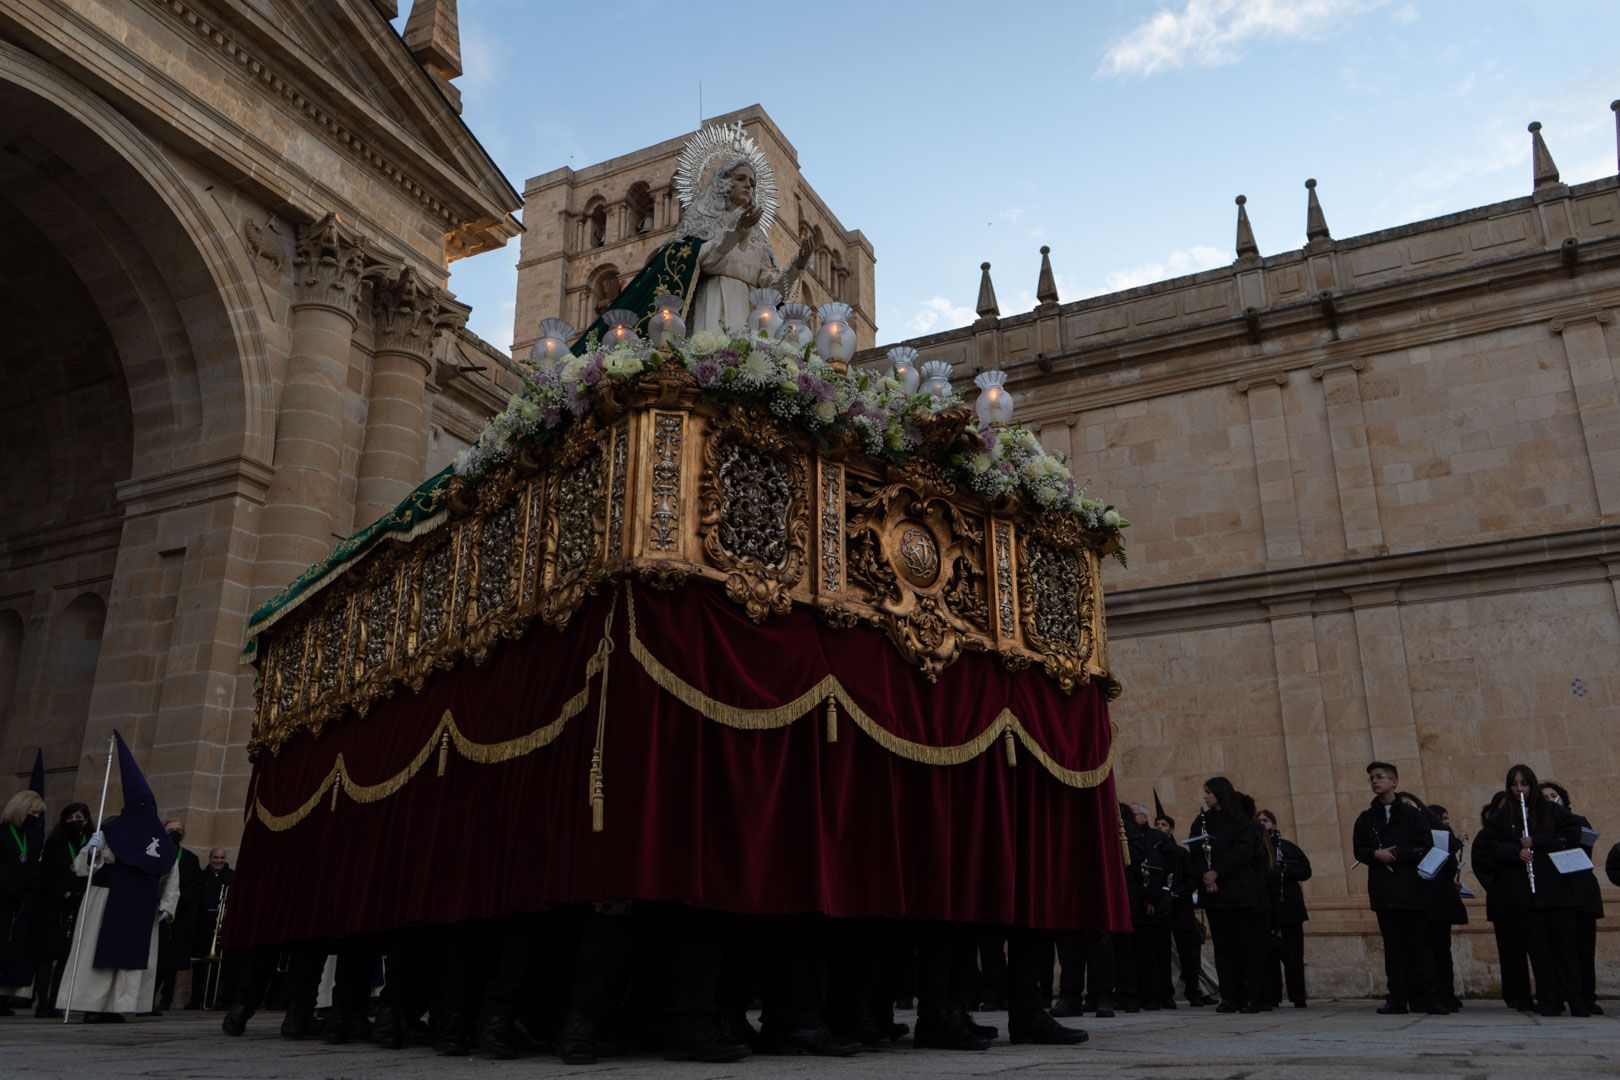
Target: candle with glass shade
(995, 404)
(552, 346)
(904, 359)
(666, 325)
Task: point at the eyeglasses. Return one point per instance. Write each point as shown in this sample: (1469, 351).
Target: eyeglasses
(1373, 778)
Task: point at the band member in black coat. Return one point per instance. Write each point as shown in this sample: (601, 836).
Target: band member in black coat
(60, 891)
(1390, 839)
(1232, 892)
(1289, 867)
(1588, 905)
(1184, 929)
(1535, 891)
(1445, 908)
(1512, 947)
(1153, 861)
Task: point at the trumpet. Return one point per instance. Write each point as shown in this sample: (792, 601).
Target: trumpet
(211, 977)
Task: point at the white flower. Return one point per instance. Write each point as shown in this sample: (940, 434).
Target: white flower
(705, 343)
(573, 369)
(825, 411)
(1110, 518)
(621, 363)
(756, 370)
(461, 461)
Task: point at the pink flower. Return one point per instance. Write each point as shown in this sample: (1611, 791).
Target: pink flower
(707, 373)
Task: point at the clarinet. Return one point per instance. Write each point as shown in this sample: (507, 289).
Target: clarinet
(1524, 819)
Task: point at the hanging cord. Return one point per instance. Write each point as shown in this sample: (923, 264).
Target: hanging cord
(597, 788)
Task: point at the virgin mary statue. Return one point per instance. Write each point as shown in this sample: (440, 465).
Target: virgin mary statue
(728, 200)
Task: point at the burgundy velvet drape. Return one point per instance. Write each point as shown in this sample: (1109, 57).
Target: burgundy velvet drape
(763, 821)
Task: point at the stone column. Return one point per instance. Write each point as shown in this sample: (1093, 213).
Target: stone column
(1597, 396)
(408, 314)
(1352, 461)
(1274, 469)
(1388, 686)
(295, 526)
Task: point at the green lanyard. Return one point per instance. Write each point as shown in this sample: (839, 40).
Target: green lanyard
(21, 842)
(73, 852)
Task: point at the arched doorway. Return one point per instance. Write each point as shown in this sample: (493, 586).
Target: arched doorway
(136, 389)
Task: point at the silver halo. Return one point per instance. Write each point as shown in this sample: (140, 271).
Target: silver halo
(715, 147)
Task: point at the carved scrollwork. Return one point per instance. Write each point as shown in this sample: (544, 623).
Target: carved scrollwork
(921, 560)
(574, 536)
(754, 511)
(1056, 596)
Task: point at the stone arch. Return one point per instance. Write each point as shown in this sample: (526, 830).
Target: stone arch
(594, 234)
(161, 260)
(639, 206)
(605, 287)
(61, 703)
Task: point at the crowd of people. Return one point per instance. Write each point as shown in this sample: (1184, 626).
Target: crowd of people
(42, 890)
(591, 981)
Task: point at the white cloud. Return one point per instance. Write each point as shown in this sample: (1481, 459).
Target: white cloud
(936, 315)
(1012, 214)
(1212, 33)
(1177, 263)
(1406, 13)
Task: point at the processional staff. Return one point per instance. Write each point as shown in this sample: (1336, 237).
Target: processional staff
(96, 841)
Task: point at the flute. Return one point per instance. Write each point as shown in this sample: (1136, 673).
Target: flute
(1524, 818)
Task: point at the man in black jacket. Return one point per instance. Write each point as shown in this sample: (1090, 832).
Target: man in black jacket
(1391, 839)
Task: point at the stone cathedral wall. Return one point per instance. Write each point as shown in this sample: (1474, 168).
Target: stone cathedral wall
(1375, 487)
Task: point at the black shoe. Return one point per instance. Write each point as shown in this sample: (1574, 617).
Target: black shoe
(387, 1031)
(1068, 1007)
(6, 1010)
(454, 1038)
(1597, 1010)
(1300, 1005)
(817, 1040)
(1103, 1012)
(1251, 1007)
(1580, 1010)
(867, 1031)
(1168, 1003)
(706, 1041)
(236, 1018)
(896, 1031)
(738, 1026)
(192, 1006)
(338, 1019)
(1196, 1002)
(1551, 1012)
(103, 1018)
(941, 1028)
(983, 1031)
(47, 1013)
(1436, 1008)
(1223, 1007)
(577, 1044)
(1039, 1027)
(299, 1024)
(1393, 1008)
(495, 1034)
(1152, 1006)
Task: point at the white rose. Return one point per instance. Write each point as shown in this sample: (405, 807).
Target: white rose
(704, 343)
(1110, 518)
(825, 411)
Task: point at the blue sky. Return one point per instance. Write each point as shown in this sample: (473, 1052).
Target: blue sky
(1116, 131)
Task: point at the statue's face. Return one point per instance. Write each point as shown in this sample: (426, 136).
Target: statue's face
(742, 186)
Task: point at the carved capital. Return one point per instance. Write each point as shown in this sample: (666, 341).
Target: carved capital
(1602, 317)
(408, 313)
(1355, 363)
(1260, 382)
(329, 262)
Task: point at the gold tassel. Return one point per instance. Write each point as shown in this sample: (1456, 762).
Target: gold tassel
(337, 783)
(832, 719)
(1011, 745)
(598, 789)
(444, 749)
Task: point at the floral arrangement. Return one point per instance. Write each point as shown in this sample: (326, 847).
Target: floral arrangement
(793, 382)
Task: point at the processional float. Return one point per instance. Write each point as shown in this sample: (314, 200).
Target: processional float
(705, 617)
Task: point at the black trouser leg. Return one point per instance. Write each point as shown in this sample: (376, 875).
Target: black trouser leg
(1125, 975)
(1184, 930)
(1025, 951)
(1445, 978)
(1271, 949)
(696, 954)
(1293, 961)
(934, 942)
(1586, 957)
(1414, 955)
(1558, 971)
(1153, 963)
(1071, 953)
(1512, 957)
(1230, 932)
(606, 946)
(1395, 968)
(992, 992)
(965, 967)
(854, 968)
(795, 972)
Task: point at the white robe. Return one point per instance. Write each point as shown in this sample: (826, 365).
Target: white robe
(111, 990)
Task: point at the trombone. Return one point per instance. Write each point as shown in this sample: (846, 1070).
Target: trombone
(214, 959)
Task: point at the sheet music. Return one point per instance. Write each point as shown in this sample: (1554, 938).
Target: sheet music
(1572, 861)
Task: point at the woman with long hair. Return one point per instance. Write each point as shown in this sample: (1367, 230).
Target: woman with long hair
(1512, 948)
(1446, 908)
(1527, 830)
(60, 891)
(1231, 891)
(22, 833)
(1588, 896)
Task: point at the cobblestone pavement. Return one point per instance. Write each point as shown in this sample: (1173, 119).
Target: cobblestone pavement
(1329, 1041)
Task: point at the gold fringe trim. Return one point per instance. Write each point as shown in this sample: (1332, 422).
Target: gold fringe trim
(1005, 724)
(445, 735)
